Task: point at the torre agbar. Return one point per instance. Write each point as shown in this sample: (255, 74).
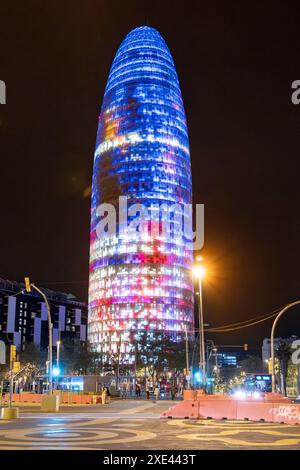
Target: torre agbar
(141, 282)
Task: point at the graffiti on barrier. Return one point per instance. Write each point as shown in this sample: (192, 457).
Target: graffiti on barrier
(287, 411)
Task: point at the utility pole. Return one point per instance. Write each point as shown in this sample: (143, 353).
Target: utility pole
(12, 358)
(30, 286)
(187, 357)
(201, 335)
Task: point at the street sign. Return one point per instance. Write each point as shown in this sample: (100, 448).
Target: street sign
(13, 352)
(2, 353)
(16, 367)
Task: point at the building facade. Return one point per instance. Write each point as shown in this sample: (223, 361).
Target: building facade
(140, 278)
(24, 318)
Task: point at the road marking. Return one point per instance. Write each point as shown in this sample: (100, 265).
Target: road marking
(226, 429)
(91, 434)
(137, 409)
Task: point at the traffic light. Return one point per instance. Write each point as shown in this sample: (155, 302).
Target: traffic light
(245, 347)
(27, 284)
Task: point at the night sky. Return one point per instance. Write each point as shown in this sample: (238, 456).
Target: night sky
(236, 62)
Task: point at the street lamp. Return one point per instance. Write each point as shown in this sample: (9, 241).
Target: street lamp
(58, 343)
(199, 273)
(30, 286)
(282, 311)
(57, 353)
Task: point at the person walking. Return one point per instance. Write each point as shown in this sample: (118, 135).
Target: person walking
(156, 393)
(124, 391)
(108, 395)
(138, 390)
(173, 392)
(104, 396)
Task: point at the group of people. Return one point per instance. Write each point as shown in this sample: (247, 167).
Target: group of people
(128, 389)
(125, 388)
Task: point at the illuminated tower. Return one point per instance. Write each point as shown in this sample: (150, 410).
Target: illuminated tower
(141, 282)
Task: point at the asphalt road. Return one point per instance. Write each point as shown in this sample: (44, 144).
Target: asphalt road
(132, 424)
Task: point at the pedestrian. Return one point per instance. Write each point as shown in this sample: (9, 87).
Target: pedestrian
(156, 393)
(104, 396)
(108, 395)
(124, 391)
(173, 392)
(147, 394)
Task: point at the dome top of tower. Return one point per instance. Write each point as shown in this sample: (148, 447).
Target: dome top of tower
(143, 56)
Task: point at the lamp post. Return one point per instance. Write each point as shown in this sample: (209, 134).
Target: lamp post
(199, 272)
(57, 353)
(50, 336)
(282, 311)
(187, 358)
(58, 343)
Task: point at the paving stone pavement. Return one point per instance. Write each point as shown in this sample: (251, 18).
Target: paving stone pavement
(132, 424)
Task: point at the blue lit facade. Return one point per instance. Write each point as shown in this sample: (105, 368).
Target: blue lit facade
(141, 283)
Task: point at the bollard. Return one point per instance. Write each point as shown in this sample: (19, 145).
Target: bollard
(9, 413)
(50, 403)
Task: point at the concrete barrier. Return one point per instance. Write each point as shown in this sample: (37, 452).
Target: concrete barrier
(27, 397)
(255, 411)
(189, 394)
(50, 403)
(218, 409)
(287, 413)
(63, 398)
(86, 399)
(187, 409)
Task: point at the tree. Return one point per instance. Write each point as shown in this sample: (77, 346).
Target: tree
(284, 353)
(251, 364)
(33, 355)
(157, 351)
(86, 360)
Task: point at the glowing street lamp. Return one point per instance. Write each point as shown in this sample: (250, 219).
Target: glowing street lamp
(199, 272)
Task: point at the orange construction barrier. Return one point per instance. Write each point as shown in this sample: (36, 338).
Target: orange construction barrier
(187, 409)
(271, 408)
(76, 399)
(218, 409)
(15, 397)
(287, 413)
(189, 394)
(255, 411)
(86, 399)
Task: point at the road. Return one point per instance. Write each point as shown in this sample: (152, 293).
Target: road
(131, 424)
